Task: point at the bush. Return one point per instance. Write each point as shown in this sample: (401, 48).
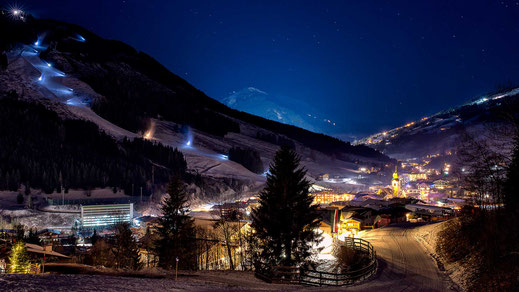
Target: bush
(349, 259)
(19, 198)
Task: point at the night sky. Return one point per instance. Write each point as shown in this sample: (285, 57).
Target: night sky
(369, 65)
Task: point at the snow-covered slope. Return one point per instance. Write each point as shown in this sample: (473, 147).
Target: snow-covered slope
(72, 75)
(441, 132)
(206, 154)
(283, 110)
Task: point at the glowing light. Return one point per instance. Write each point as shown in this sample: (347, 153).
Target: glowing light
(224, 157)
(16, 12)
(37, 43)
(147, 135)
(40, 78)
(188, 143)
(80, 38)
(49, 65)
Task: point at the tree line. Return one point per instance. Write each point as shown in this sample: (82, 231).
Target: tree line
(484, 239)
(247, 157)
(41, 150)
(283, 230)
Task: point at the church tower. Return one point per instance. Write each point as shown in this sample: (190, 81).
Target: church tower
(395, 183)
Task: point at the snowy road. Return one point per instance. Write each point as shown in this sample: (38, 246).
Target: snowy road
(404, 264)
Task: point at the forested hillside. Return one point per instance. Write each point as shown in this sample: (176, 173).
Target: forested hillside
(136, 87)
(37, 147)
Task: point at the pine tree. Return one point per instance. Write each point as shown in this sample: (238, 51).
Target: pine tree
(94, 238)
(285, 221)
(19, 198)
(176, 230)
(147, 242)
(32, 236)
(20, 231)
(19, 259)
(126, 250)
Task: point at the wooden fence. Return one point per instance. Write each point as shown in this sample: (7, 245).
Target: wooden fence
(297, 275)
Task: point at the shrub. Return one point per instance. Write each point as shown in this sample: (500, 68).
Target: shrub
(349, 259)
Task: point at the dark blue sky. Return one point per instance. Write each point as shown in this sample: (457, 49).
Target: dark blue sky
(369, 65)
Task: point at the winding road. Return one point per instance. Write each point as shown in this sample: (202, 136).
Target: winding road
(404, 264)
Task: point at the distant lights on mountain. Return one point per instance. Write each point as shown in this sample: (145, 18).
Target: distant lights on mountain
(81, 38)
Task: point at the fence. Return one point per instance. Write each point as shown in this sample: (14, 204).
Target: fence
(33, 268)
(295, 275)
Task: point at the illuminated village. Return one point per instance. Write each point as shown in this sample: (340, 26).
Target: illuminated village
(173, 171)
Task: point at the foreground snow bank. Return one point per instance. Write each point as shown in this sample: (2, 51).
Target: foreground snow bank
(428, 236)
(195, 281)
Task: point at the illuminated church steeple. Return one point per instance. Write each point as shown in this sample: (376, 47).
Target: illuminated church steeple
(395, 183)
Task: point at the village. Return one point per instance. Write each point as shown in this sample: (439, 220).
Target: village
(414, 195)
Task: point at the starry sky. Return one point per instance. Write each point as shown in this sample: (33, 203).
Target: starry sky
(367, 65)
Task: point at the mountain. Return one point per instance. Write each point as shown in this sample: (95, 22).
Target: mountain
(441, 133)
(283, 110)
(72, 79)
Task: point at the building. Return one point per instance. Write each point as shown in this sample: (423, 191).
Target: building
(350, 227)
(429, 212)
(414, 176)
(94, 216)
(382, 220)
(442, 184)
(324, 177)
(327, 197)
(226, 208)
(395, 184)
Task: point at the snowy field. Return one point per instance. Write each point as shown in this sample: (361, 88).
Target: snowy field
(199, 281)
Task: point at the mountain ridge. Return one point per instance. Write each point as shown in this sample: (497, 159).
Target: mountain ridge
(128, 94)
(441, 132)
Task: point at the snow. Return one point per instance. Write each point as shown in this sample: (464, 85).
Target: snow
(428, 236)
(206, 154)
(260, 103)
(187, 281)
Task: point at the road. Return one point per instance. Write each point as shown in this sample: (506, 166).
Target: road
(404, 264)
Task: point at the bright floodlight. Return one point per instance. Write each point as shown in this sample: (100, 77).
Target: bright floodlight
(188, 143)
(37, 43)
(41, 78)
(16, 12)
(80, 38)
(49, 65)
